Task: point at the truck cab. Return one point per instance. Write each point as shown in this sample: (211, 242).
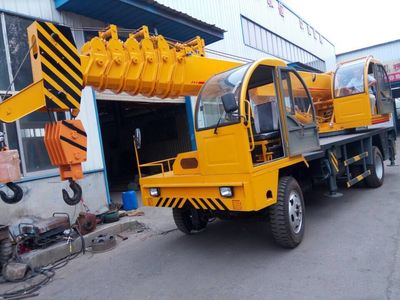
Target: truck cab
(361, 94)
(255, 125)
(251, 122)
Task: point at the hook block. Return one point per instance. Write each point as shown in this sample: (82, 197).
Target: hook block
(66, 144)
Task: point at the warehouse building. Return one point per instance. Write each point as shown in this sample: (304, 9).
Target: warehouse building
(234, 30)
(389, 54)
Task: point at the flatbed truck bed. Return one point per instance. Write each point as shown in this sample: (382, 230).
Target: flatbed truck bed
(351, 156)
(345, 138)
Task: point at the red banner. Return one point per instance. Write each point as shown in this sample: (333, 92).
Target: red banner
(394, 76)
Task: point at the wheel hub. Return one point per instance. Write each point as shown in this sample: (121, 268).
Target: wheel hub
(295, 212)
(378, 167)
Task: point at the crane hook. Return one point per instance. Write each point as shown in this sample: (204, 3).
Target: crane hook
(76, 188)
(18, 193)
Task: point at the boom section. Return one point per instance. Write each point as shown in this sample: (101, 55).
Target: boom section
(142, 64)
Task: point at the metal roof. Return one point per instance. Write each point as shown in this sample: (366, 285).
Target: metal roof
(135, 13)
(370, 47)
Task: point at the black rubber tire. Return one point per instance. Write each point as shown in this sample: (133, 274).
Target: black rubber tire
(188, 219)
(6, 251)
(282, 231)
(373, 181)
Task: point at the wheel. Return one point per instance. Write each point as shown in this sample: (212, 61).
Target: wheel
(377, 169)
(188, 219)
(287, 214)
(6, 251)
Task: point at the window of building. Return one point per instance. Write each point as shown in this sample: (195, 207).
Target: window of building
(264, 40)
(258, 37)
(4, 80)
(246, 33)
(17, 38)
(26, 135)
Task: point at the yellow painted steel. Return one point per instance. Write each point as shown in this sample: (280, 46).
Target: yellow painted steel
(336, 114)
(143, 64)
(148, 65)
(222, 160)
(12, 109)
(152, 66)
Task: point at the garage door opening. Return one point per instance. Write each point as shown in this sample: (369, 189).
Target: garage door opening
(165, 133)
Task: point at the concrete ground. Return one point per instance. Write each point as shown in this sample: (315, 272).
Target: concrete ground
(350, 251)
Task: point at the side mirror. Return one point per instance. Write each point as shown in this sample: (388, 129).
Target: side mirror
(137, 138)
(229, 102)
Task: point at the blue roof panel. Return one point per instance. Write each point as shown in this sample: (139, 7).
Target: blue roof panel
(135, 13)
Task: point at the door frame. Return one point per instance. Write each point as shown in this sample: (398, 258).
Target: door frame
(284, 116)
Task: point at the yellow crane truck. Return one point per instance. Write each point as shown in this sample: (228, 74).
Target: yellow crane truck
(265, 132)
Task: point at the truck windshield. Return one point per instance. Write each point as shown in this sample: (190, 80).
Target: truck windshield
(349, 79)
(209, 109)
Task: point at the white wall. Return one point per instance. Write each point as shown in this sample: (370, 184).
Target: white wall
(42, 196)
(89, 117)
(225, 14)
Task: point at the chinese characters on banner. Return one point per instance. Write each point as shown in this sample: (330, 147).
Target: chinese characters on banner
(394, 76)
(281, 9)
(393, 70)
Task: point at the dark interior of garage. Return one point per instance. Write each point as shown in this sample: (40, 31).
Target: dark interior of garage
(164, 131)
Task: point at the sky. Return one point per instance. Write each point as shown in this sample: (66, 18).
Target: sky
(351, 24)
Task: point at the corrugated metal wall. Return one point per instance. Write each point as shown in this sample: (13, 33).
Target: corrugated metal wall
(45, 9)
(226, 14)
(384, 52)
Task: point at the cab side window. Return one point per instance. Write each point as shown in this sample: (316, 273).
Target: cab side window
(383, 83)
(297, 102)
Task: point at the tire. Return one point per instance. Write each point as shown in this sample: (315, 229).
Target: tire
(287, 214)
(188, 219)
(6, 251)
(377, 169)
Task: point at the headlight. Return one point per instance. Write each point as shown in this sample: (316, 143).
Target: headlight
(154, 192)
(226, 191)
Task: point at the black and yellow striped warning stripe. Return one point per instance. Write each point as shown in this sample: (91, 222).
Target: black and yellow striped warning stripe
(61, 66)
(358, 178)
(197, 203)
(334, 161)
(355, 158)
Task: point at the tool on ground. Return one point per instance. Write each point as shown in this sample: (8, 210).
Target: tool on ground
(86, 222)
(41, 232)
